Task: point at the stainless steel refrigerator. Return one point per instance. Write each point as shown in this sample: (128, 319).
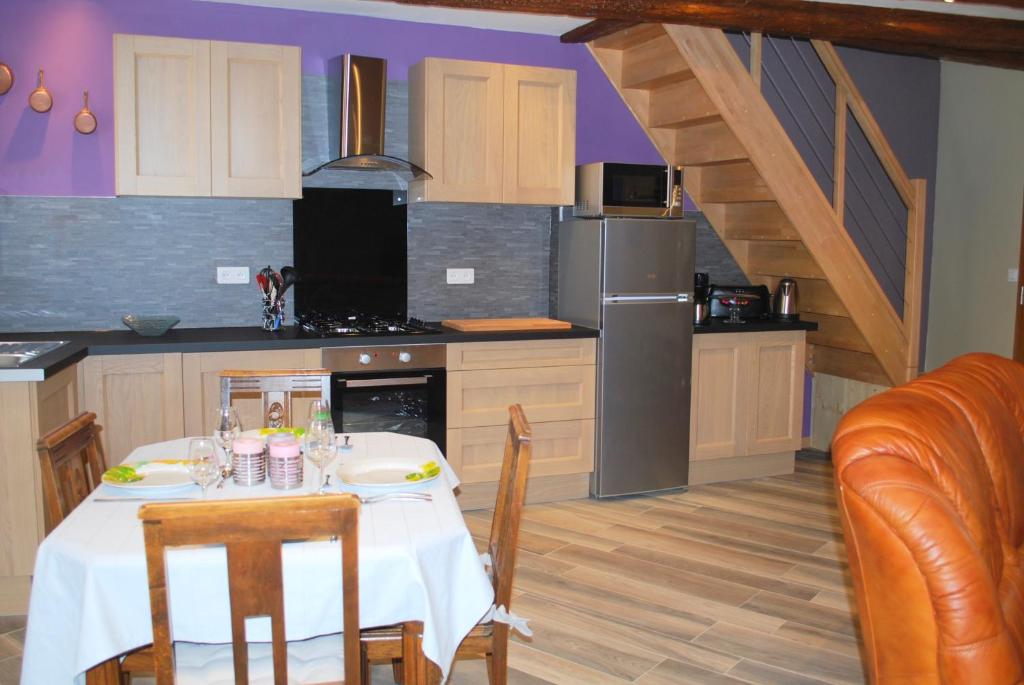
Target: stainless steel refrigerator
(633, 280)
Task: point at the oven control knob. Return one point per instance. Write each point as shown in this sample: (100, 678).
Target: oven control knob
(404, 357)
(364, 358)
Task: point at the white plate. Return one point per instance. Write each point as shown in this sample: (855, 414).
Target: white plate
(383, 472)
(155, 475)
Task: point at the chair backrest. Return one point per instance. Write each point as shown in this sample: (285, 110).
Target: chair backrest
(71, 463)
(276, 386)
(508, 508)
(930, 485)
(252, 531)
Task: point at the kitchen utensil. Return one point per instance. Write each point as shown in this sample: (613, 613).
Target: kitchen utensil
(40, 99)
(6, 79)
(288, 276)
(150, 326)
(701, 312)
(85, 120)
(523, 324)
(407, 496)
(261, 283)
(785, 303)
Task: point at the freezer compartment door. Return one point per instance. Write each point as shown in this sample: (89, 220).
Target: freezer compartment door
(648, 256)
(643, 400)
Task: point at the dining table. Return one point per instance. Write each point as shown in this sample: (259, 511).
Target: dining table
(417, 563)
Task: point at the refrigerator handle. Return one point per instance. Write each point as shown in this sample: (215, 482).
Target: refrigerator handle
(678, 297)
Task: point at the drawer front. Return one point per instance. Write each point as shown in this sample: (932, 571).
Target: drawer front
(517, 354)
(552, 393)
(558, 448)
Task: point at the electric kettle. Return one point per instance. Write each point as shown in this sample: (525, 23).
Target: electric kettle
(784, 304)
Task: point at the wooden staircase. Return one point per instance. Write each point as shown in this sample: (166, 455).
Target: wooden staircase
(704, 111)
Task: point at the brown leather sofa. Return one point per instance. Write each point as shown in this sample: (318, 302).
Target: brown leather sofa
(930, 481)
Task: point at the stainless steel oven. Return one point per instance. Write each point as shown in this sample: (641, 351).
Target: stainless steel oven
(397, 388)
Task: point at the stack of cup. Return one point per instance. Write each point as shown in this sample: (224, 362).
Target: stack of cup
(285, 464)
(248, 461)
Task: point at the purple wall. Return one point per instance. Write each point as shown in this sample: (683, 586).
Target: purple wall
(40, 154)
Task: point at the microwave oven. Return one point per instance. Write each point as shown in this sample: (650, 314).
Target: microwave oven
(641, 190)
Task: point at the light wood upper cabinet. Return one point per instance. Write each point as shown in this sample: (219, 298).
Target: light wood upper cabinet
(540, 136)
(492, 132)
(202, 118)
(137, 399)
(162, 115)
(455, 115)
(256, 120)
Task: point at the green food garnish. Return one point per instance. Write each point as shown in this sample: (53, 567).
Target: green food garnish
(428, 470)
(122, 474)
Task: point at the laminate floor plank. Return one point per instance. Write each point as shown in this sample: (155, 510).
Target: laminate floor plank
(479, 524)
(700, 496)
(600, 513)
(555, 670)
(826, 639)
(658, 574)
(763, 674)
(844, 601)
(670, 672)
(742, 531)
(823, 578)
(665, 540)
(731, 574)
(566, 520)
(820, 534)
(567, 535)
(782, 653)
(771, 498)
(679, 625)
(678, 599)
(800, 611)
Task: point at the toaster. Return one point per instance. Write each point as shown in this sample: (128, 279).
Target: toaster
(752, 300)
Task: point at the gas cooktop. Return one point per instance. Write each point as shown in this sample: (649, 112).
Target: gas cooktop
(356, 324)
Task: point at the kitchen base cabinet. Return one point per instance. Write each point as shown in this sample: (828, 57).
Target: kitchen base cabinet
(137, 399)
(746, 404)
(554, 382)
(29, 410)
(201, 384)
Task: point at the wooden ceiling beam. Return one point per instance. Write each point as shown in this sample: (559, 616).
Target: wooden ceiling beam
(997, 42)
(599, 28)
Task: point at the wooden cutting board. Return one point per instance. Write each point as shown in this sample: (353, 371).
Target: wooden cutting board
(525, 324)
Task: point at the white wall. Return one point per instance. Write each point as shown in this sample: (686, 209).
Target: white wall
(978, 196)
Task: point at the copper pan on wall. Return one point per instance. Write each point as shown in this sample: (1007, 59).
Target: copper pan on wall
(6, 79)
(40, 99)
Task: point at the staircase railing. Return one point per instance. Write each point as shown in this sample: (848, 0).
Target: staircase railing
(912, 192)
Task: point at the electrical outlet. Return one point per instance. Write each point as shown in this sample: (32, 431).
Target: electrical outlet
(1012, 275)
(228, 275)
(461, 276)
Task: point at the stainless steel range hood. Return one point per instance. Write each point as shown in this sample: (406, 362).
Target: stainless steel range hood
(364, 83)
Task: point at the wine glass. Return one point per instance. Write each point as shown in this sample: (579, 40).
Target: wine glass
(319, 410)
(203, 462)
(320, 447)
(226, 428)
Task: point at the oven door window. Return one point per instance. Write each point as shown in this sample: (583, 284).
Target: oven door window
(411, 403)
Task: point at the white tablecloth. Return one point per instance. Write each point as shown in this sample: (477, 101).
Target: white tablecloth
(417, 562)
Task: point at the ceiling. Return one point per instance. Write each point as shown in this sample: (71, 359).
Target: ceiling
(556, 26)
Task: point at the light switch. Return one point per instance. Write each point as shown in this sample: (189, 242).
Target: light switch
(228, 275)
(1012, 275)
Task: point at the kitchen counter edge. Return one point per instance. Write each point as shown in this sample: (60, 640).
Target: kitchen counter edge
(242, 339)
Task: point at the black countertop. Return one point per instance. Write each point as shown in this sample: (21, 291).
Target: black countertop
(84, 343)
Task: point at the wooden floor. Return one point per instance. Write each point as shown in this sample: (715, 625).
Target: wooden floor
(742, 582)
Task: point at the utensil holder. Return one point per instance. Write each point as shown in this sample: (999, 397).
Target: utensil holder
(273, 314)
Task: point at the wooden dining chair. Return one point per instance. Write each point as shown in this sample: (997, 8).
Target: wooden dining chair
(488, 640)
(276, 386)
(71, 463)
(253, 531)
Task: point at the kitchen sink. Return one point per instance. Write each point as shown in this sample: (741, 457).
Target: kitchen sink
(14, 354)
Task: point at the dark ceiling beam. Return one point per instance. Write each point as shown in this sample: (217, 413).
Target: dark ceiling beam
(599, 28)
(997, 42)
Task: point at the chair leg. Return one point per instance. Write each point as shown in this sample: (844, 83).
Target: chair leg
(497, 661)
(396, 671)
(364, 665)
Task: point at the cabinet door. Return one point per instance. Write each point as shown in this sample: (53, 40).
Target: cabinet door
(201, 384)
(162, 115)
(719, 406)
(540, 136)
(776, 393)
(256, 120)
(559, 448)
(549, 393)
(136, 397)
(514, 354)
(455, 132)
